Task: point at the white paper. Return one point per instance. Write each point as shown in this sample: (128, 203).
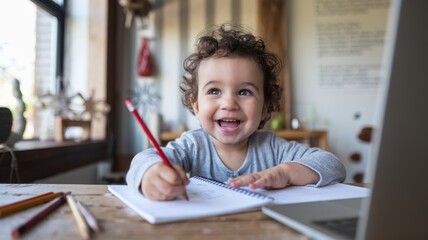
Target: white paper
(300, 194)
(206, 199)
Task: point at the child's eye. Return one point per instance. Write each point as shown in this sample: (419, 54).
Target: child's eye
(214, 91)
(244, 92)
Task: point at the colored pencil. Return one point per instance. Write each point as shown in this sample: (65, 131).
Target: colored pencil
(89, 217)
(151, 138)
(24, 200)
(19, 231)
(27, 203)
(82, 225)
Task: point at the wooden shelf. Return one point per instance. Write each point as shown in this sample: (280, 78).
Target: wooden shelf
(312, 138)
(42, 159)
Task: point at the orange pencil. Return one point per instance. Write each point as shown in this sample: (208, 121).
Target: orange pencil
(27, 203)
(24, 200)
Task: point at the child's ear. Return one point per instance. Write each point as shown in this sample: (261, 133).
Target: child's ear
(195, 107)
(264, 111)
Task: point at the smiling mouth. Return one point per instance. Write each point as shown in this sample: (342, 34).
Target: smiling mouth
(228, 123)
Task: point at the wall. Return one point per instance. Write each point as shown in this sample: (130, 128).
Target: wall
(342, 108)
(335, 59)
(89, 174)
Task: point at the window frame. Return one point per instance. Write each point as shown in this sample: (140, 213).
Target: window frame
(59, 12)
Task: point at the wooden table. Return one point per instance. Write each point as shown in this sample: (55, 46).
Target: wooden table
(120, 222)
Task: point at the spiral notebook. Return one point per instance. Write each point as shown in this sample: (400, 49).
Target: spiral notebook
(207, 198)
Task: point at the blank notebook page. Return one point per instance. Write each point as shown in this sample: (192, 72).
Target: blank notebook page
(206, 198)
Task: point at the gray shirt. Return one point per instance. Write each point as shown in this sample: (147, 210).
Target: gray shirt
(195, 153)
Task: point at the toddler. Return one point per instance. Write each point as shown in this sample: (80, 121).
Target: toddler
(232, 88)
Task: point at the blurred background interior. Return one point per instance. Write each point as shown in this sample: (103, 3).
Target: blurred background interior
(67, 66)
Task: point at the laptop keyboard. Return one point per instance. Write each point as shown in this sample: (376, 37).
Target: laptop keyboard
(343, 226)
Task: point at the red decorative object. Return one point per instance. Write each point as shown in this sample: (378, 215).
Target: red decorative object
(145, 63)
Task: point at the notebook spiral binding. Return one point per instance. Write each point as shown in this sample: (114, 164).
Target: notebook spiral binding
(239, 190)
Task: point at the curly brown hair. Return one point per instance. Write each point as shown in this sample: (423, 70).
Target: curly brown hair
(231, 41)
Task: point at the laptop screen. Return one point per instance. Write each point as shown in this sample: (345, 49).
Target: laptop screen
(398, 207)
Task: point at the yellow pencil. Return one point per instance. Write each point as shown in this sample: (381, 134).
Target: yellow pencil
(82, 226)
(27, 203)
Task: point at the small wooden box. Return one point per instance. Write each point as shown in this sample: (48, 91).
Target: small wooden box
(62, 124)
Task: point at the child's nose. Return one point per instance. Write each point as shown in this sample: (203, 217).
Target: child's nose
(229, 102)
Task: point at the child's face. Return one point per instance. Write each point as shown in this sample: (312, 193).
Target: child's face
(230, 102)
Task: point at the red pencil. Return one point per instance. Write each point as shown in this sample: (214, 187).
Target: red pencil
(17, 232)
(150, 136)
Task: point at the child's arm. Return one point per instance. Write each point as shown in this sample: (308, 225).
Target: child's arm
(278, 177)
(160, 182)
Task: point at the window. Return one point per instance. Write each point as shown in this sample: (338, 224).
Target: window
(31, 58)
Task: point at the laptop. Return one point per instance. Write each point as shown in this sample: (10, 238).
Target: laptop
(398, 205)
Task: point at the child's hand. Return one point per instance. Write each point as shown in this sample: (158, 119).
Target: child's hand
(162, 183)
(277, 177)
